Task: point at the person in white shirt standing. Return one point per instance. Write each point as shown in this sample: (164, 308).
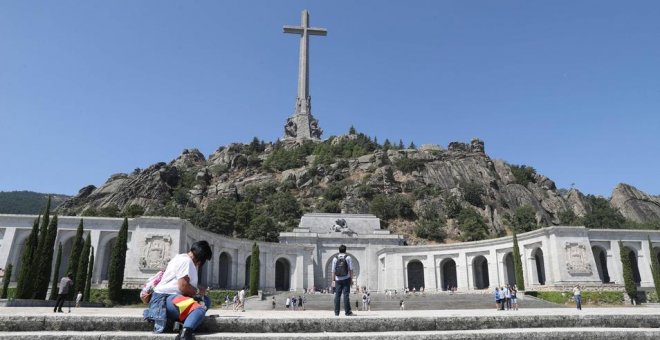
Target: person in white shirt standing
(241, 300)
(78, 299)
(577, 294)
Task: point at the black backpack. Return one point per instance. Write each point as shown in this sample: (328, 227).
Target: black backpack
(341, 268)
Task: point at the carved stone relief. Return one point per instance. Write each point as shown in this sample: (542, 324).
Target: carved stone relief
(577, 259)
(156, 252)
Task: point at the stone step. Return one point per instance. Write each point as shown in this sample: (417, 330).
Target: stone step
(490, 334)
(320, 322)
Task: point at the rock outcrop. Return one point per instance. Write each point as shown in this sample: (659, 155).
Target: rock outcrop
(634, 204)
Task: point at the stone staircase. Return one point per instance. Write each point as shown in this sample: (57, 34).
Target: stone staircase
(558, 323)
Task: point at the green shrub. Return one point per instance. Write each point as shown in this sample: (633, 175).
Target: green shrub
(602, 215)
(524, 219)
(472, 226)
(523, 174)
(472, 193)
(334, 192)
(592, 298)
(124, 298)
(408, 165)
(554, 297)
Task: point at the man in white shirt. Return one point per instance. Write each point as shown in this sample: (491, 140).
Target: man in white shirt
(577, 294)
(241, 300)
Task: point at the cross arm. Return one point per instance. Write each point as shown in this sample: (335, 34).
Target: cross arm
(293, 29)
(317, 31)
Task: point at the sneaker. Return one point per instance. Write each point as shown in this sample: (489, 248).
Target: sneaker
(350, 314)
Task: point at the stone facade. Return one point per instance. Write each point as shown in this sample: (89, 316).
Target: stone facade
(553, 258)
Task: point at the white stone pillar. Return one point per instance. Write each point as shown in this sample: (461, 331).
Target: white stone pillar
(464, 272)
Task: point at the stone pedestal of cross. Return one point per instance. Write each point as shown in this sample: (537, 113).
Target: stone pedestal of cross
(302, 125)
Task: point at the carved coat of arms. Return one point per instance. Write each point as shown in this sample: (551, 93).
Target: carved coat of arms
(156, 252)
(577, 260)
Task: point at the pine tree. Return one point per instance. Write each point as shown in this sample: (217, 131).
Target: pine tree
(83, 261)
(76, 249)
(56, 273)
(517, 264)
(44, 265)
(655, 268)
(352, 131)
(629, 282)
(254, 270)
(5, 280)
(117, 263)
(387, 144)
(90, 271)
(412, 146)
(25, 281)
(400, 147)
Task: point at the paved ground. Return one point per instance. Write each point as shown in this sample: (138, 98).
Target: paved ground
(283, 314)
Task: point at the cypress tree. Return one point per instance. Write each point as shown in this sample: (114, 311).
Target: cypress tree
(36, 259)
(45, 262)
(254, 270)
(629, 282)
(24, 282)
(517, 264)
(5, 280)
(56, 273)
(76, 249)
(117, 263)
(88, 284)
(81, 278)
(655, 269)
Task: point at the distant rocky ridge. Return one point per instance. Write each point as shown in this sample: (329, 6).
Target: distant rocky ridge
(440, 172)
(27, 202)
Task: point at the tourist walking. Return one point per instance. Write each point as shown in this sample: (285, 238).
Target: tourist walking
(342, 274)
(577, 294)
(507, 297)
(497, 298)
(178, 296)
(62, 293)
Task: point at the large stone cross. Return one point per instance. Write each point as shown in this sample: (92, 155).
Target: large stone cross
(303, 111)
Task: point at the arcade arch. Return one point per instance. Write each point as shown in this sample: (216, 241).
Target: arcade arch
(480, 272)
(539, 266)
(448, 274)
(282, 274)
(600, 257)
(224, 270)
(415, 273)
(509, 270)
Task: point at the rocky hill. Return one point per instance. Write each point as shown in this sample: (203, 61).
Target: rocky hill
(428, 192)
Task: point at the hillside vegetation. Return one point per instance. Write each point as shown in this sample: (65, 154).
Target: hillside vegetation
(429, 194)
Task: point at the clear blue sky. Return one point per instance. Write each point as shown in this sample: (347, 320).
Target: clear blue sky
(92, 88)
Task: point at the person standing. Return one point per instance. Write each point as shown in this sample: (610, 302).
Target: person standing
(342, 274)
(177, 296)
(62, 293)
(577, 294)
(78, 299)
(241, 299)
